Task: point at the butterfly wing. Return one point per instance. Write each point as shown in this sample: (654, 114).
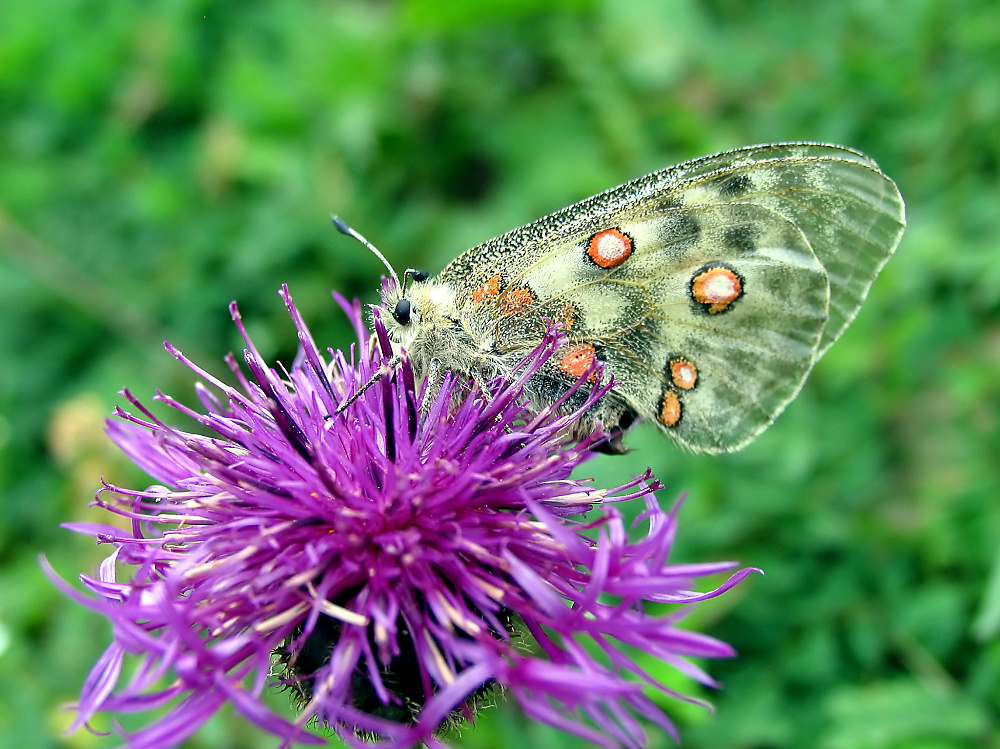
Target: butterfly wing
(710, 288)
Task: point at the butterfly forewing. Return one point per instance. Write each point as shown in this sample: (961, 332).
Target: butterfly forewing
(709, 288)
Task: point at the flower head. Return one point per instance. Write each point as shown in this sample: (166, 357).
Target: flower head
(382, 564)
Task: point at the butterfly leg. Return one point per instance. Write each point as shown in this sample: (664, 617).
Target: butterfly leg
(481, 381)
(432, 389)
(385, 369)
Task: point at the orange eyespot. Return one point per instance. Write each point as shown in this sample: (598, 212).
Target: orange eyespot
(487, 292)
(670, 409)
(515, 301)
(683, 374)
(609, 248)
(716, 287)
(575, 359)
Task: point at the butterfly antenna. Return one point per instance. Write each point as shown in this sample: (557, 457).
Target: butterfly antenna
(343, 228)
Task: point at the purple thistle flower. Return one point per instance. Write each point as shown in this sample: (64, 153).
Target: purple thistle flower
(382, 565)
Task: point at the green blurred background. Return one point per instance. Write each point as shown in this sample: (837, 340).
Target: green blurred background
(159, 159)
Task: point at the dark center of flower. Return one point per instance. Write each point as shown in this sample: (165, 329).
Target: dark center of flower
(401, 676)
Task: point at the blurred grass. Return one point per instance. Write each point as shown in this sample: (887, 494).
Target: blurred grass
(159, 159)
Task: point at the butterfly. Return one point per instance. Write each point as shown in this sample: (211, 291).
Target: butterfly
(709, 290)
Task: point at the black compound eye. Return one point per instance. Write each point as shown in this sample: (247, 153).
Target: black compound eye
(420, 275)
(402, 312)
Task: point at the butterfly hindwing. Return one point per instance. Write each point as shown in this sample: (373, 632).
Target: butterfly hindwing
(737, 320)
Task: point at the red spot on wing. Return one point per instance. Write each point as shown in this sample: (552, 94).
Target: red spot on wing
(609, 248)
(670, 409)
(683, 374)
(575, 359)
(487, 292)
(515, 301)
(566, 315)
(716, 287)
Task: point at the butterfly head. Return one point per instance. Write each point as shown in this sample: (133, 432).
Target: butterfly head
(404, 306)
(420, 313)
(418, 310)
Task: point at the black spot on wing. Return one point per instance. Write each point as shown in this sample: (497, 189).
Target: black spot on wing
(742, 238)
(679, 226)
(735, 187)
